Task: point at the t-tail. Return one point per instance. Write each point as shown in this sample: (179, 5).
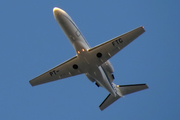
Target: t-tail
(121, 90)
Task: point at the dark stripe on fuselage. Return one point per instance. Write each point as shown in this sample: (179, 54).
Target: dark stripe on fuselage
(107, 77)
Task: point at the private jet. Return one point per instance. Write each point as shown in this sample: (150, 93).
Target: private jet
(93, 62)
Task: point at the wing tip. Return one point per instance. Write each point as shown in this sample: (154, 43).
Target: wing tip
(31, 83)
(143, 28)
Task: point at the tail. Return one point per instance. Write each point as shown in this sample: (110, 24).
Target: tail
(121, 91)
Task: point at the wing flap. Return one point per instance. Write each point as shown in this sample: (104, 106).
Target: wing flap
(106, 50)
(61, 71)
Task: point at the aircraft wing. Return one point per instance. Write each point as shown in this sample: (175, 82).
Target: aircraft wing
(106, 50)
(61, 71)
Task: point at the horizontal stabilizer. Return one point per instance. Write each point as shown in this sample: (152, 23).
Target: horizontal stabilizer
(108, 101)
(123, 90)
(127, 89)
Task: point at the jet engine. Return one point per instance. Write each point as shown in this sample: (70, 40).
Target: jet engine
(89, 77)
(108, 67)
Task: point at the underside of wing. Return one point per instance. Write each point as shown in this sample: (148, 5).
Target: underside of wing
(69, 68)
(106, 50)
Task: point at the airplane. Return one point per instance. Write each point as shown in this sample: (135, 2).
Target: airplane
(93, 62)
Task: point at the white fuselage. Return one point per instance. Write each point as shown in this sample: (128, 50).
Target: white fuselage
(93, 62)
(91, 70)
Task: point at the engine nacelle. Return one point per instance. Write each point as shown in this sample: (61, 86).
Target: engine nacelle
(108, 67)
(90, 78)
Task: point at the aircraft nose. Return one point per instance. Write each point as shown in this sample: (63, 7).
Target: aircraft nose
(58, 11)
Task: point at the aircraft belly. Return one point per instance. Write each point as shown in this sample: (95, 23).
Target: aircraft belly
(100, 76)
(71, 31)
(68, 26)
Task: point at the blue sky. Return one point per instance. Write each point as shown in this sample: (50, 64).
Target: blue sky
(31, 42)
